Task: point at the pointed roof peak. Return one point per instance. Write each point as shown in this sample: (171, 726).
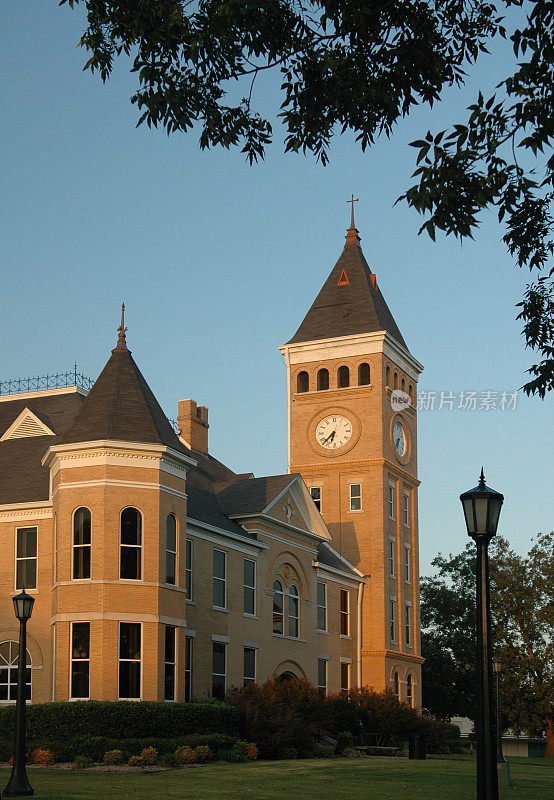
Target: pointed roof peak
(121, 338)
(352, 233)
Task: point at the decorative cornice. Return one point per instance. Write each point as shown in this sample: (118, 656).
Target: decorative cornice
(17, 512)
(393, 654)
(88, 449)
(225, 538)
(369, 462)
(126, 484)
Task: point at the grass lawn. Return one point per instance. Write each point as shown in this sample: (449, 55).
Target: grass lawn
(443, 778)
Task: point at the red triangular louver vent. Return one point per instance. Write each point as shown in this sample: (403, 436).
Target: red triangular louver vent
(343, 280)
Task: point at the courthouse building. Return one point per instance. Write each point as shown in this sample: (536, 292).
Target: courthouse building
(161, 574)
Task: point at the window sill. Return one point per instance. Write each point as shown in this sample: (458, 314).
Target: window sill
(290, 638)
(249, 616)
(189, 602)
(220, 608)
(344, 636)
(320, 630)
(172, 586)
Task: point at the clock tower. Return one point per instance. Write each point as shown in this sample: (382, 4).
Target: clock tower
(352, 435)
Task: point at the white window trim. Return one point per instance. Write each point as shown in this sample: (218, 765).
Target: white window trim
(391, 485)
(289, 617)
(80, 546)
(245, 586)
(408, 549)
(325, 660)
(344, 613)
(173, 552)
(409, 622)
(71, 659)
(392, 561)
(136, 546)
(119, 659)
(9, 666)
(224, 579)
(221, 640)
(189, 635)
(255, 649)
(17, 588)
(320, 501)
(283, 594)
(173, 663)
(392, 619)
(361, 508)
(189, 570)
(406, 508)
(325, 629)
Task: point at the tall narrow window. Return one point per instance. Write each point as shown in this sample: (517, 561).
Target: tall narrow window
(411, 393)
(219, 578)
(407, 564)
(409, 690)
(355, 497)
(129, 660)
(392, 621)
(294, 612)
(344, 612)
(81, 544)
(303, 382)
(170, 549)
(391, 558)
(80, 659)
(249, 668)
(315, 492)
(396, 685)
(278, 607)
(249, 570)
(363, 375)
(406, 508)
(219, 659)
(188, 569)
(169, 663)
(321, 606)
(188, 668)
(344, 678)
(9, 662)
(26, 559)
(391, 501)
(408, 612)
(387, 376)
(131, 544)
(322, 380)
(395, 380)
(403, 384)
(343, 377)
(322, 676)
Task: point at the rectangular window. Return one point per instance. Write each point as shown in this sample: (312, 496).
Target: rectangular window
(392, 621)
(170, 550)
(408, 625)
(344, 612)
(80, 659)
(315, 492)
(391, 557)
(170, 661)
(391, 501)
(81, 544)
(249, 571)
(355, 497)
(26, 559)
(344, 678)
(188, 570)
(188, 668)
(406, 509)
(129, 660)
(219, 578)
(322, 676)
(130, 566)
(219, 659)
(407, 564)
(321, 606)
(249, 665)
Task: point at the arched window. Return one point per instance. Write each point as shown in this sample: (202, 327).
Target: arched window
(294, 612)
(322, 380)
(409, 690)
(343, 377)
(403, 385)
(170, 548)
(363, 375)
(81, 544)
(130, 564)
(9, 657)
(396, 685)
(411, 393)
(303, 382)
(387, 378)
(278, 607)
(395, 380)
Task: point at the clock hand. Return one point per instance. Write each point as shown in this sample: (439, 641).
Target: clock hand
(329, 438)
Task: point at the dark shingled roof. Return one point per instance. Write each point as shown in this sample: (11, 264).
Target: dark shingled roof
(22, 476)
(328, 558)
(121, 406)
(252, 495)
(356, 307)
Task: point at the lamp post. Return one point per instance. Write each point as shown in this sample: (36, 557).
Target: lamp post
(503, 767)
(18, 785)
(482, 510)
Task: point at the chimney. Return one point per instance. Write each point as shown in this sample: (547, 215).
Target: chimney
(193, 425)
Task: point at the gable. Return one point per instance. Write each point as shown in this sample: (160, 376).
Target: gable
(25, 425)
(294, 506)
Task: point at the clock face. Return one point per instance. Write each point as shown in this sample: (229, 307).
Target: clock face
(333, 432)
(399, 439)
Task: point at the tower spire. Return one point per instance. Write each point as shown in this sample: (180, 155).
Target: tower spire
(352, 234)
(121, 340)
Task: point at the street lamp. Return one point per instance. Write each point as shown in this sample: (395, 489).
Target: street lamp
(503, 767)
(19, 785)
(482, 510)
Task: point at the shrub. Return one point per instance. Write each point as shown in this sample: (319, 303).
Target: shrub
(82, 762)
(322, 751)
(377, 716)
(345, 740)
(135, 761)
(113, 757)
(351, 752)
(236, 756)
(186, 755)
(149, 756)
(43, 757)
(203, 753)
(251, 752)
(169, 760)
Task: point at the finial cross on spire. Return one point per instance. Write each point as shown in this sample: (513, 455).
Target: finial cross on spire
(121, 340)
(352, 201)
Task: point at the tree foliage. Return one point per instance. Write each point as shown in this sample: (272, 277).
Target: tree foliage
(362, 66)
(522, 609)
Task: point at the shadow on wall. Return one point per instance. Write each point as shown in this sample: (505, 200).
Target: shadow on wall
(344, 541)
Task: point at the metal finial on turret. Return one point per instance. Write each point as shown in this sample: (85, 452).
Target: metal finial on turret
(121, 340)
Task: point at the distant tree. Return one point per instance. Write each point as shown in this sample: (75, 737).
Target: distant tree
(522, 608)
(361, 66)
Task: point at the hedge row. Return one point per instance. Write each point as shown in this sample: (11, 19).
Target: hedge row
(122, 720)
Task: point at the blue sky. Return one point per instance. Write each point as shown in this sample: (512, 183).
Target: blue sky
(218, 261)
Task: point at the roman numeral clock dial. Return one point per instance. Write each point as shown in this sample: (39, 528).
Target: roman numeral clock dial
(333, 432)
